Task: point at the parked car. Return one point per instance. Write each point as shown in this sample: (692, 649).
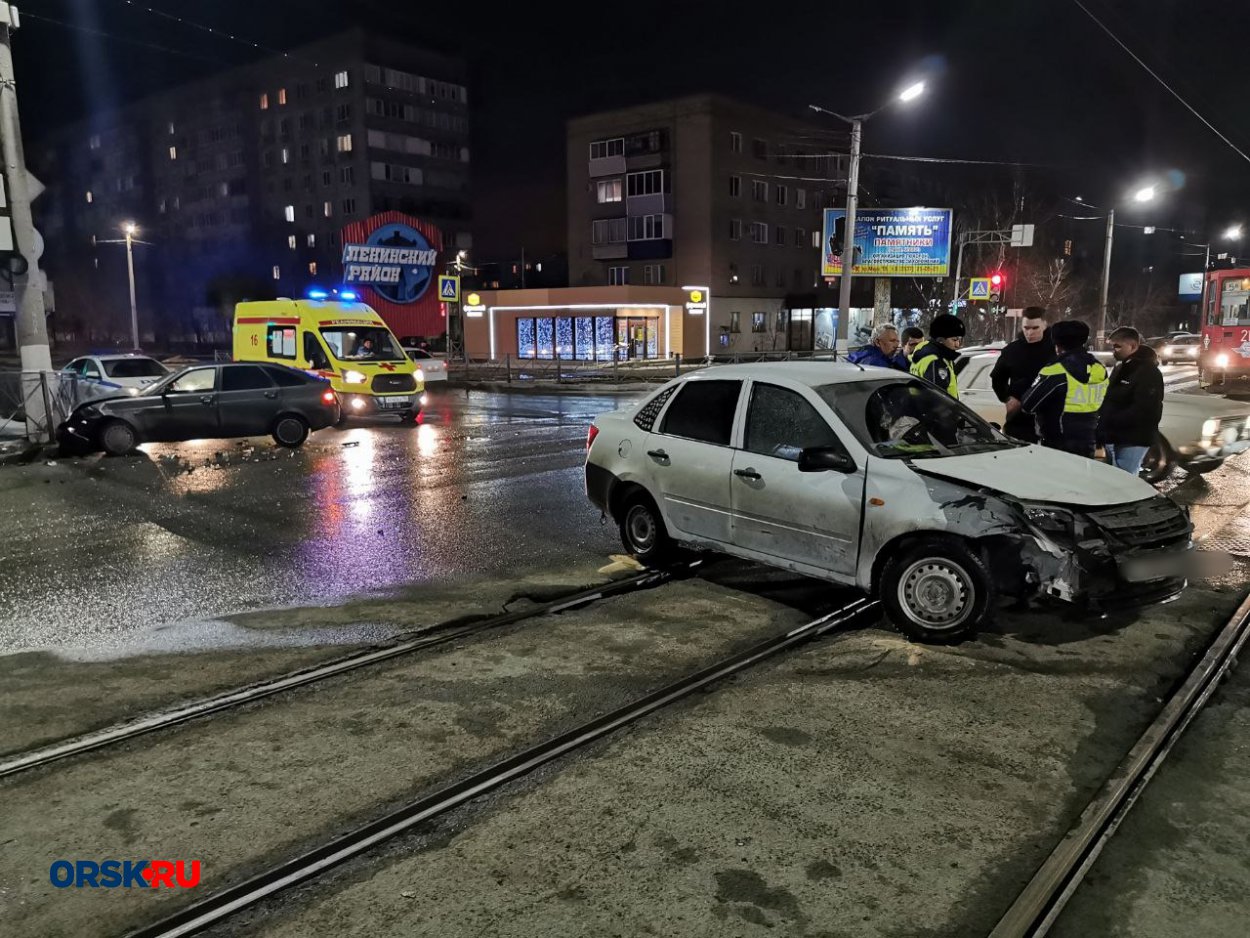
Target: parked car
(434, 368)
(206, 402)
(1197, 433)
(872, 478)
(107, 374)
(1180, 350)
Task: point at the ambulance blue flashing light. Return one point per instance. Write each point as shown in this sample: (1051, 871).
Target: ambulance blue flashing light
(317, 294)
(349, 296)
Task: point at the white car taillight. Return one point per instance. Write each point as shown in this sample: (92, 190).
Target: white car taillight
(590, 436)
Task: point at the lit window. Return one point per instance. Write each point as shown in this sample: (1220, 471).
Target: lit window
(90, 197)
(327, 209)
(173, 153)
(282, 96)
(290, 242)
(286, 156)
(341, 79)
(224, 188)
(312, 240)
(277, 272)
(94, 142)
(312, 268)
(264, 105)
(171, 128)
(289, 213)
(344, 143)
(609, 190)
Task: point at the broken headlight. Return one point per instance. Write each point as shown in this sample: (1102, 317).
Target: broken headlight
(1050, 520)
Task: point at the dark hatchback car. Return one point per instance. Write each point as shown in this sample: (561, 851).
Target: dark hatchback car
(206, 402)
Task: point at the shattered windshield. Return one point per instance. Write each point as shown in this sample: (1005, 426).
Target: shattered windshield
(899, 419)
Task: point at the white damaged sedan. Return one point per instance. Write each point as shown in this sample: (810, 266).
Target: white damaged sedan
(874, 479)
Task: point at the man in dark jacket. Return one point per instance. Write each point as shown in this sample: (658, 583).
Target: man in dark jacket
(883, 352)
(1017, 368)
(935, 360)
(1129, 419)
(1067, 394)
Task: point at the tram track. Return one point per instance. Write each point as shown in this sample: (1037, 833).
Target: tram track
(249, 893)
(428, 638)
(1039, 904)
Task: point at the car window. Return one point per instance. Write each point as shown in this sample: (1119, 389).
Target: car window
(244, 378)
(974, 375)
(195, 381)
(417, 355)
(287, 377)
(703, 410)
(134, 368)
(782, 423)
(314, 354)
(90, 369)
(281, 341)
(75, 366)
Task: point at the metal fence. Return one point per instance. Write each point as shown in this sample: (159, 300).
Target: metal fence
(511, 370)
(34, 403)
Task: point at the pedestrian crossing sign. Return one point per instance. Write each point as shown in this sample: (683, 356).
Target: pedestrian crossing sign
(449, 289)
(979, 288)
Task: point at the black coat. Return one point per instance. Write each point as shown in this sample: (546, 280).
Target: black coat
(1133, 408)
(1013, 375)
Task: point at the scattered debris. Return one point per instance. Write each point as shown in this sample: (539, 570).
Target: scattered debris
(622, 563)
(348, 443)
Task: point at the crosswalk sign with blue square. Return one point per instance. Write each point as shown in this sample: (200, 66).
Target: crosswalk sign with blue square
(979, 288)
(449, 288)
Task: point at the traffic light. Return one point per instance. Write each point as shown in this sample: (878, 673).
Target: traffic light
(997, 280)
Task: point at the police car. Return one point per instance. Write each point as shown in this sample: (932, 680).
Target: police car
(115, 374)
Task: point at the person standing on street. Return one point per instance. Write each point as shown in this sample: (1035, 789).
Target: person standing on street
(1017, 368)
(1129, 419)
(1066, 396)
(913, 338)
(935, 360)
(883, 352)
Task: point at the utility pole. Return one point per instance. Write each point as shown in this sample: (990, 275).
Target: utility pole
(32, 330)
(1101, 336)
(848, 240)
(130, 269)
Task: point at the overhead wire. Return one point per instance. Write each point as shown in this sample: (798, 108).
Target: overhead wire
(39, 17)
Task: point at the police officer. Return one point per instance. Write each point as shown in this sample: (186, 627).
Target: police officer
(935, 360)
(1067, 394)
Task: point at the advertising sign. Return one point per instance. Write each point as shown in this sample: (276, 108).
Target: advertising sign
(696, 302)
(890, 242)
(392, 257)
(1190, 290)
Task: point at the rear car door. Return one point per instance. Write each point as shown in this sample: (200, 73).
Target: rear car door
(689, 458)
(811, 519)
(248, 401)
(187, 410)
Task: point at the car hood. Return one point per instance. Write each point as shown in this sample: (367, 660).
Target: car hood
(1202, 406)
(1037, 474)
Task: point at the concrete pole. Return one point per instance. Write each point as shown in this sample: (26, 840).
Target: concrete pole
(883, 309)
(130, 269)
(32, 330)
(1101, 335)
(959, 270)
(848, 241)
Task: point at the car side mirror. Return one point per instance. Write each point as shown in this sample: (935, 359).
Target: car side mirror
(824, 459)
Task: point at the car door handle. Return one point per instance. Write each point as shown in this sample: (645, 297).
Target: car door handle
(658, 455)
(748, 474)
(271, 394)
(207, 399)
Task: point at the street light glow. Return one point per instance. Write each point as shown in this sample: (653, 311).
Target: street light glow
(912, 92)
(1233, 233)
(130, 228)
(1144, 194)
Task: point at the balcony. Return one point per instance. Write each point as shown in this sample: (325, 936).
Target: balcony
(654, 249)
(607, 166)
(660, 203)
(610, 251)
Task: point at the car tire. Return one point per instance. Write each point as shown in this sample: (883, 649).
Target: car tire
(643, 532)
(938, 591)
(117, 438)
(1160, 462)
(290, 430)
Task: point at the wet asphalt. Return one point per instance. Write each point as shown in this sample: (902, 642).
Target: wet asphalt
(104, 553)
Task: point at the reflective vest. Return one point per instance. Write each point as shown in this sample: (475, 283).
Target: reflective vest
(920, 365)
(1082, 398)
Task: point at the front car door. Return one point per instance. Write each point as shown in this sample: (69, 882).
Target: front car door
(248, 401)
(690, 458)
(810, 520)
(187, 410)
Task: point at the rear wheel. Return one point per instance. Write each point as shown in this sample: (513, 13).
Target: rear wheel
(117, 438)
(937, 591)
(1159, 463)
(643, 532)
(290, 431)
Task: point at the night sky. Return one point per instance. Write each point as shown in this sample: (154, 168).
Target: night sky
(1033, 81)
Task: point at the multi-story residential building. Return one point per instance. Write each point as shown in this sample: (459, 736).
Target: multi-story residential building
(241, 183)
(706, 191)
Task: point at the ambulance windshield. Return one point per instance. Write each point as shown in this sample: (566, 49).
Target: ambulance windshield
(362, 344)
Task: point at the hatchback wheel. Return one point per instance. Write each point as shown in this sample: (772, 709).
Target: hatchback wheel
(643, 532)
(290, 431)
(1159, 462)
(938, 591)
(118, 438)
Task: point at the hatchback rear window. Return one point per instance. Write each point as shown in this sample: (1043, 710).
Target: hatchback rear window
(704, 411)
(134, 368)
(288, 377)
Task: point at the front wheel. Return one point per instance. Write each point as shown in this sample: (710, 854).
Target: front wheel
(118, 438)
(290, 431)
(937, 591)
(643, 532)
(1159, 462)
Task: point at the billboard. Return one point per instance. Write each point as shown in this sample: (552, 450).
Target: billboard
(392, 259)
(1190, 289)
(890, 242)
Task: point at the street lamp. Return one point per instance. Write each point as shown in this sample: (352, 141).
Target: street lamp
(910, 93)
(1142, 195)
(1233, 233)
(131, 229)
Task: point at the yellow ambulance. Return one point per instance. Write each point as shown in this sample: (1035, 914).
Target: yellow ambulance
(345, 342)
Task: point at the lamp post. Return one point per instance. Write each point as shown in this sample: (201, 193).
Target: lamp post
(131, 229)
(1142, 195)
(910, 93)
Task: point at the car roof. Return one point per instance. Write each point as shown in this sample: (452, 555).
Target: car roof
(120, 356)
(813, 374)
